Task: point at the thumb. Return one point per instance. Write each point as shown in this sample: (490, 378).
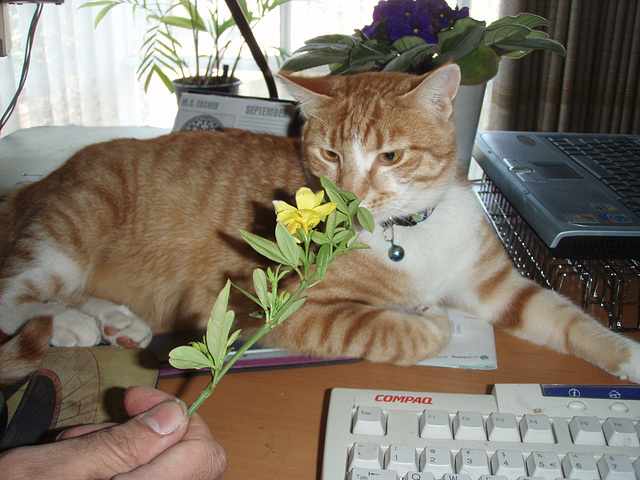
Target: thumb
(122, 448)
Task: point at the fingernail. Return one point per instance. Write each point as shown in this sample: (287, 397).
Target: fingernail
(166, 417)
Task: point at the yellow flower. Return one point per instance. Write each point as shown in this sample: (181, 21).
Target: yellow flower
(309, 211)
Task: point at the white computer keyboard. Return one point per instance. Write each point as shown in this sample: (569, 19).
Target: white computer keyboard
(516, 432)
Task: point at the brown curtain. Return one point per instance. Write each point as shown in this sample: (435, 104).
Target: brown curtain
(595, 88)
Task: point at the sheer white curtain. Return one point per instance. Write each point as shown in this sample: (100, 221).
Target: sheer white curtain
(86, 76)
(78, 74)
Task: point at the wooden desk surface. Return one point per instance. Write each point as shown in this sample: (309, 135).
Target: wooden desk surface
(271, 423)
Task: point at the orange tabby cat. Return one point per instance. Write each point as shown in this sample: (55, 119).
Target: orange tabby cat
(132, 234)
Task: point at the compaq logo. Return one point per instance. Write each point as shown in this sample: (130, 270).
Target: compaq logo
(403, 399)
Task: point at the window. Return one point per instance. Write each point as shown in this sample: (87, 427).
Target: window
(81, 75)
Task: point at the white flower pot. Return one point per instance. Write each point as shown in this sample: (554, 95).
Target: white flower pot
(466, 114)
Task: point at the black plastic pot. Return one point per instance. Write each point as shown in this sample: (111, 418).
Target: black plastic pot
(216, 85)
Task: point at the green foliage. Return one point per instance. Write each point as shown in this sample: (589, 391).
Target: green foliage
(335, 235)
(474, 46)
(161, 52)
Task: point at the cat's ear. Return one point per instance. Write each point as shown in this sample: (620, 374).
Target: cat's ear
(437, 91)
(308, 91)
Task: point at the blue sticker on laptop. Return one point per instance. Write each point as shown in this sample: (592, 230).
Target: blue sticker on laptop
(614, 218)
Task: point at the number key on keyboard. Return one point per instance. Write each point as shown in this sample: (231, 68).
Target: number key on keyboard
(581, 466)
(615, 467)
(401, 458)
(473, 462)
(508, 463)
(545, 465)
(436, 460)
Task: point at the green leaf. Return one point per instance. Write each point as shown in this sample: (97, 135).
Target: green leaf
(260, 286)
(323, 259)
(333, 193)
(101, 14)
(527, 19)
(353, 206)
(307, 60)
(535, 44)
(461, 39)
(287, 245)
(232, 338)
(402, 62)
(319, 237)
(182, 22)
(360, 246)
(404, 44)
(505, 34)
(219, 326)
(291, 309)
(365, 219)
(330, 226)
(341, 237)
(328, 39)
(184, 357)
(264, 247)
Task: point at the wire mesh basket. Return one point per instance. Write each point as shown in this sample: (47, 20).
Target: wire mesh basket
(604, 288)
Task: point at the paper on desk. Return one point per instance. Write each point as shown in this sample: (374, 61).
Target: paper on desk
(212, 112)
(472, 345)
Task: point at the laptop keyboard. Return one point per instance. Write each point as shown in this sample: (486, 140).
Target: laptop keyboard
(616, 161)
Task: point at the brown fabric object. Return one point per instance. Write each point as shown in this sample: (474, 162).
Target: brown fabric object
(595, 88)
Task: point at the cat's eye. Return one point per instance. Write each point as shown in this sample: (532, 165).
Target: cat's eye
(390, 157)
(330, 155)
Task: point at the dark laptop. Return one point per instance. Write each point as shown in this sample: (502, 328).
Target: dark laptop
(580, 193)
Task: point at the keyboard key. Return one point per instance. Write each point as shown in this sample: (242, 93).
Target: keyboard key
(616, 467)
(502, 427)
(536, 428)
(359, 473)
(473, 462)
(580, 465)
(436, 460)
(545, 465)
(456, 476)
(369, 421)
(468, 426)
(401, 458)
(366, 455)
(620, 432)
(493, 477)
(586, 431)
(509, 463)
(419, 476)
(435, 424)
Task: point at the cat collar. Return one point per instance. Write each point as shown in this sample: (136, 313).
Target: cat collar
(396, 252)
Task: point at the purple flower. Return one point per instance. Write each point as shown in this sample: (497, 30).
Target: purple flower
(418, 18)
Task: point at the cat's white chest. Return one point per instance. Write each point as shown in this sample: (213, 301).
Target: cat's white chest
(438, 252)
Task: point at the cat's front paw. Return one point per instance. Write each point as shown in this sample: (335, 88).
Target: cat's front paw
(121, 327)
(72, 328)
(631, 370)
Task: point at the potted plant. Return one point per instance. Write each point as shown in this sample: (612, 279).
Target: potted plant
(209, 28)
(417, 36)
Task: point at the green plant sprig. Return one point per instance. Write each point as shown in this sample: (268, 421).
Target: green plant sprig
(334, 234)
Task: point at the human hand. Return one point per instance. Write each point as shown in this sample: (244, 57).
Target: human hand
(159, 442)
